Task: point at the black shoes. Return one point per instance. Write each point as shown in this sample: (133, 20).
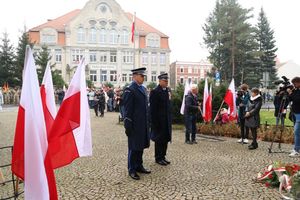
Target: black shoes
(143, 170)
(252, 146)
(166, 161)
(134, 175)
(191, 142)
(162, 162)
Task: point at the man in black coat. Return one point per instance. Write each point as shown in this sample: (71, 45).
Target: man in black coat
(191, 110)
(161, 129)
(136, 122)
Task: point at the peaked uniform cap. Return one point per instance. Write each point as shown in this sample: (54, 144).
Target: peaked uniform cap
(140, 71)
(163, 76)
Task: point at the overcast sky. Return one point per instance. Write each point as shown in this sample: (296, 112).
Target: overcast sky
(181, 20)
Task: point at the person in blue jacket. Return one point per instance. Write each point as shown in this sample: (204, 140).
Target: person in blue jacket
(136, 122)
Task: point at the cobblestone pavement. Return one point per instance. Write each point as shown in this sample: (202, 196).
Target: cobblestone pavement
(217, 168)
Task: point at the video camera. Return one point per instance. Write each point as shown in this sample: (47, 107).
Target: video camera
(285, 84)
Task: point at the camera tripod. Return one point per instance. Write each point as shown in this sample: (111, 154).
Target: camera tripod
(279, 118)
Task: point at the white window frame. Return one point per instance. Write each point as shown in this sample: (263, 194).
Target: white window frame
(58, 55)
(80, 35)
(103, 57)
(77, 54)
(113, 56)
(103, 36)
(93, 56)
(162, 59)
(145, 58)
(92, 35)
(128, 57)
(93, 75)
(113, 76)
(124, 36)
(113, 39)
(103, 76)
(153, 58)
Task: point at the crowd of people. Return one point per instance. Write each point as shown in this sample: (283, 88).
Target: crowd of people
(147, 115)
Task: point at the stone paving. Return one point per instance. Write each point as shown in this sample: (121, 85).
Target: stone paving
(215, 168)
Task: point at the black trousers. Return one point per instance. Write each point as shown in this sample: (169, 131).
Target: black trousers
(96, 109)
(254, 135)
(244, 129)
(160, 150)
(135, 160)
(101, 109)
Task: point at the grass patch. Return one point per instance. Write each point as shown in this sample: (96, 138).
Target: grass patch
(268, 116)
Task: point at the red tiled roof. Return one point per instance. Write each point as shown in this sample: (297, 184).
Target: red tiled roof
(143, 27)
(58, 23)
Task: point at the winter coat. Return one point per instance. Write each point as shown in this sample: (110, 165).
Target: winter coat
(160, 109)
(254, 106)
(136, 116)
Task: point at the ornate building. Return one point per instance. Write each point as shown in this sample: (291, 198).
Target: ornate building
(193, 71)
(101, 32)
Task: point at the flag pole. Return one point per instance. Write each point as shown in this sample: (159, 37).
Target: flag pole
(218, 111)
(133, 30)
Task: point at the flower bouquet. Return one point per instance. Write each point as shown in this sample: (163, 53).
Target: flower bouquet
(284, 176)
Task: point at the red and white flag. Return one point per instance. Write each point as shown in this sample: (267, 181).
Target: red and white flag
(30, 143)
(48, 100)
(133, 28)
(187, 88)
(70, 135)
(207, 102)
(229, 99)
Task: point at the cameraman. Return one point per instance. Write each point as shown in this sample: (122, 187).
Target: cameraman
(242, 102)
(294, 97)
(280, 103)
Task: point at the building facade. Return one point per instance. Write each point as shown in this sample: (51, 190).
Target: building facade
(102, 32)
(194, 72)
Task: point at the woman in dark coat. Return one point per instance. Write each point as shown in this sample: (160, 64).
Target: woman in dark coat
(252, 118)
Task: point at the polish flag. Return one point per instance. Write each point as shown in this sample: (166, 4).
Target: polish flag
(207, 103)
(133, 28)
(29, 161)
(229, 99)
(48, 100)
(187, 88)
(70, 135)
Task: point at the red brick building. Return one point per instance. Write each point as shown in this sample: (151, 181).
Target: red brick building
(180, 71)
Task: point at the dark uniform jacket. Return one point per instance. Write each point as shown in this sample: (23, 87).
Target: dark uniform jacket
(191, 105)
(160, 108)
(136, 116)
(295, 98)
(254, 106)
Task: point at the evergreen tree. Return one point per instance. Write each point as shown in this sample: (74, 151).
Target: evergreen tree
(229, 40)
(20, 57)
(41, 60)
(7, 58)
(267, 48)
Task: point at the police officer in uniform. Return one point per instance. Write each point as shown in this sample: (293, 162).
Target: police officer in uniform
(161, 129)
(136, 122)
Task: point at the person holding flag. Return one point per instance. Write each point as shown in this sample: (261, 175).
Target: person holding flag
(192, 108)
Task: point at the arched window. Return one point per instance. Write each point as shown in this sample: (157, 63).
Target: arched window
(80, 35)
(92, 35)
(124, 36)
(102, 36)
(113, 37)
